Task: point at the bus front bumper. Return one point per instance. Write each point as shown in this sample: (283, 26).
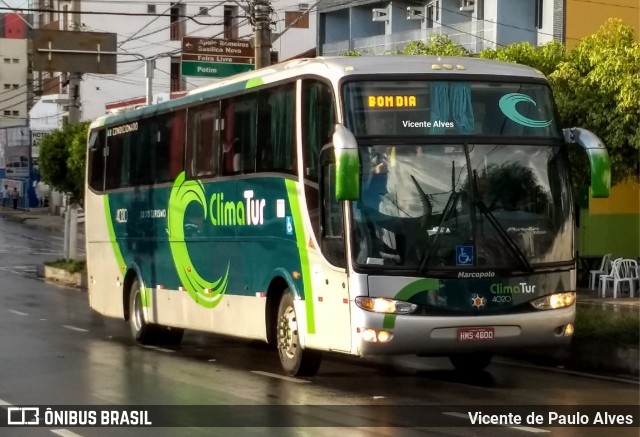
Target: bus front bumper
(379, 334)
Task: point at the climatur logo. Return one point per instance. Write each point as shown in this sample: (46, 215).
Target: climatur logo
(508, 107)
(205, 293)
(522, 288)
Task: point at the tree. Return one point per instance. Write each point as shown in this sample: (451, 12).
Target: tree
(438, 45)
(598, 88)
(62, 159)
(544, 58)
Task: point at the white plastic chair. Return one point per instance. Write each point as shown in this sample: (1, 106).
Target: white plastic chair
(604, 269)
(623, 270)
(609, 277)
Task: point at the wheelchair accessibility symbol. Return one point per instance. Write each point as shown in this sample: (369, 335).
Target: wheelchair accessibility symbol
(464, 255)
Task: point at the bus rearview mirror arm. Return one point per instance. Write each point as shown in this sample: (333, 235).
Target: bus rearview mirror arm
(599, 161)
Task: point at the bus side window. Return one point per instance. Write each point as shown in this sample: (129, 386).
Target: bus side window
(276, 127)
(204, 140)
(318, 121)
(332, 239)
(96, 160)
(170, 146)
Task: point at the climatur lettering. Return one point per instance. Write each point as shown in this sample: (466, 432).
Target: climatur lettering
(522, 288)
(232, 213)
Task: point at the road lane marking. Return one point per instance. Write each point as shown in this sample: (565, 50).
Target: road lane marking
(285, 378)
(156, 348)
(20, 313)
(73, 328)
(65, 433)
(566, 371)
(519, 428)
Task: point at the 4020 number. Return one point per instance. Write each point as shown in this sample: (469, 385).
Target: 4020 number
(501, 299)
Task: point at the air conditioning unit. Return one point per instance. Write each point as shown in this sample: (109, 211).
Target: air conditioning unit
(303, 6)
(467, 5)
(381, 14)
(415, 12)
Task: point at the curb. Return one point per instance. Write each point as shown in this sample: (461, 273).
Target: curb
(63, 277)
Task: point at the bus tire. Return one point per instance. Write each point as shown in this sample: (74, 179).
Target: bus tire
(141, 331)
(471, 362)
(295, 360)
(168, 335)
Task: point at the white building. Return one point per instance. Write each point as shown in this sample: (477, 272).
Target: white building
(156, 28)
(13, 82)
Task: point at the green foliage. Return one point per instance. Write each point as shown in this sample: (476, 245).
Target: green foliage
(438, 45)
(351, 53)
(70, 265)
(607, 326)
(598, 88)
(62, 159)
(544, 58)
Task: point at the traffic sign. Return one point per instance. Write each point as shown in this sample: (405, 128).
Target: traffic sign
(208, 57)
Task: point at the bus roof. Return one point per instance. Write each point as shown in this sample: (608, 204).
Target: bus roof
(335, 68)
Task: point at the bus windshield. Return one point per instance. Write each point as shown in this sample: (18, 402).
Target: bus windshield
(439, 207)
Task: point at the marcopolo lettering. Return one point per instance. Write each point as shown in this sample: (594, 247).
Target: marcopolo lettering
(476, 275)
(521, 288)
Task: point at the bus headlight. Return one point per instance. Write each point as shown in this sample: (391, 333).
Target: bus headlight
(554, 301)
(387, 306)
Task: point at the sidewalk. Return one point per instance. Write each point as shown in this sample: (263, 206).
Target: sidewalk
(606, 358)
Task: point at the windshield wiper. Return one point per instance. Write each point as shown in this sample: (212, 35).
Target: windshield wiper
(448, 208)
(512, 245)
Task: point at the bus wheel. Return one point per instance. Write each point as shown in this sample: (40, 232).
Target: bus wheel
(142, 332)
(471, 362)
(295, 360)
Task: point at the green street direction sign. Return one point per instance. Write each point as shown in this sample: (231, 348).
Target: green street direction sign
(210, 57)
(213, 69)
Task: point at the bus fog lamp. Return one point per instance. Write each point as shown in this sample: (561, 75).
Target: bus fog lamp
(568, 330)
(368, 335)
(384, 336)
(555, 301)
(386, 306)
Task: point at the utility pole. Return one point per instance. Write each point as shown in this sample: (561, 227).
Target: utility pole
(71, 217)
(262, 22)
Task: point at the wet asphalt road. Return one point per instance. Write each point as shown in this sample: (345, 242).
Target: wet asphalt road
(56, 351)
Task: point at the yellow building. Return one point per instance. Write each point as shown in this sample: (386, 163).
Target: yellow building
(584, 17)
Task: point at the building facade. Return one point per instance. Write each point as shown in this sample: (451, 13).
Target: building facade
(373, 27)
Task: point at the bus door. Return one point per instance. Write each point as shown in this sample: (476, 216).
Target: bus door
(330, 284)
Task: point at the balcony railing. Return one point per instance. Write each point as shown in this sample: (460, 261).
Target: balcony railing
(474, 36)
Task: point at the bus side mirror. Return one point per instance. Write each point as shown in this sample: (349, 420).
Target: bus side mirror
(347, 164)
(598, 158)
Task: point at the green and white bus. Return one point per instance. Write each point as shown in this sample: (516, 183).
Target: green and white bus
(357, 205)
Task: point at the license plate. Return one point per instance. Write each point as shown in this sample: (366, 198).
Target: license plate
(475, 334)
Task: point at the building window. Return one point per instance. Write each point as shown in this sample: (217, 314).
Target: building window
(7, 61)
(230, 24)
(204, 11)
(7, 86)
(15, 113)
(178, 83)
(151, 9)
(178, 25)
(538, 14)
(15, 60)
(430, 16)
(7, 112)
(15, 86)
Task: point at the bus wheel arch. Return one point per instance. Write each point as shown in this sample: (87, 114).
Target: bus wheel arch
(295, 360)
(276, 289)
(130, 276)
